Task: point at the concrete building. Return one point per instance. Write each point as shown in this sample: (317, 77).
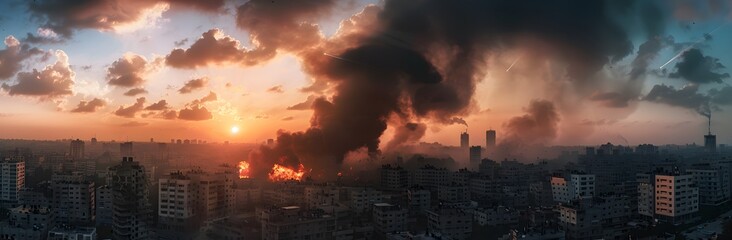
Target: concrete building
(430, 177)
(76, 150)
(132, 214)
(73, 201)
(464, 140)
(177, 207)
(576, 186)
(453, 194)
(713, 183)
(488, 168)
(28, 222)
(362, 199)
(677, 198)
(493, 216)
(419, 200)
(596, 218)
(490, 140)
(12, 180)
(394, 178)
(475, 155)
(104, 208)
(125, 149)
(295, 223)
(450, 223)
(389, 218)
(321, 195)
(72, 233)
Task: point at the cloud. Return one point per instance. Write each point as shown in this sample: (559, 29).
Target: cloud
(289, 118)
(276, 89)
(13, 55)
(43, 36)
(181, 42)
(697, 68)
(538, 125)
(90, 106)
(721, 96)
(127, 71)
(135, 91)
(65, 17)
(195, 113)
(158, 106)
(306, 105)
(213, 48)
(208, 98)
(685, 97)
(193, 85)
(131, 111)
(53, 81)
(133, 124)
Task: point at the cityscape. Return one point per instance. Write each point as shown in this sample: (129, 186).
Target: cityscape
(365, 120)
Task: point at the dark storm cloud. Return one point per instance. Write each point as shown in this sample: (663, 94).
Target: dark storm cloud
(131, 111)
(127, 71)
(697, 68)
(722, 96)
(90, 106)
(53, 81)
(65, 17)
(193, 85)
(158, 106)
(421, 59)
(134, 92)
(195, 113)
(538, 125)
(685, 97)
(13, 55)
(306, 105)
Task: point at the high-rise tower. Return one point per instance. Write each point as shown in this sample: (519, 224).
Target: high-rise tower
(464, 140)
(490, 139)
(710, 140)
(76, 150)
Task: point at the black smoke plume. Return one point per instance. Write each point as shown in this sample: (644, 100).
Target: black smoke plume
(422, 59)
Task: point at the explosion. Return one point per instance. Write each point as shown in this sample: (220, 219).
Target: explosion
(282, 173)
(243, 169)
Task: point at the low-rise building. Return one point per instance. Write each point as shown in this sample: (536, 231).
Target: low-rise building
(389, 218)
(450, 223)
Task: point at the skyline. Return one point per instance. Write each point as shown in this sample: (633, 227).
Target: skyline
(159, 53)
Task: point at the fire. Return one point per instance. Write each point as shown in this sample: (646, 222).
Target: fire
(243, 169)
(282, 173)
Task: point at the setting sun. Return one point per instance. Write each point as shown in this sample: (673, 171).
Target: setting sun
(234, 130)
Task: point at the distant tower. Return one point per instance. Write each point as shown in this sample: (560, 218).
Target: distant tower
(152, 140)
(710, 140)
(77, 149)
(475, 154)
(490, 139)
(94, 141)
(464, 140)
(125, 149)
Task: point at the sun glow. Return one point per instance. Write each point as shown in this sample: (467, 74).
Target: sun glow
(234, 130)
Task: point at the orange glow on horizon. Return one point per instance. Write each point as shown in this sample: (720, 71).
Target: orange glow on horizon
(282, 173)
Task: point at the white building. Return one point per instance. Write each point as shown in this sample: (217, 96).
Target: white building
(577, 186)
(362, 199)
(12, 180)
(677, 198)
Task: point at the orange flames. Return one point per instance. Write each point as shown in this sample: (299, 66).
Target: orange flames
(282, 173)
(243, 169)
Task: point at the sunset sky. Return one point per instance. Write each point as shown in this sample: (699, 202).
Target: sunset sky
(178, 69)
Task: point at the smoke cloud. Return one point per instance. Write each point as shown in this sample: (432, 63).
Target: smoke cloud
(697, 68)
(420, 60)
